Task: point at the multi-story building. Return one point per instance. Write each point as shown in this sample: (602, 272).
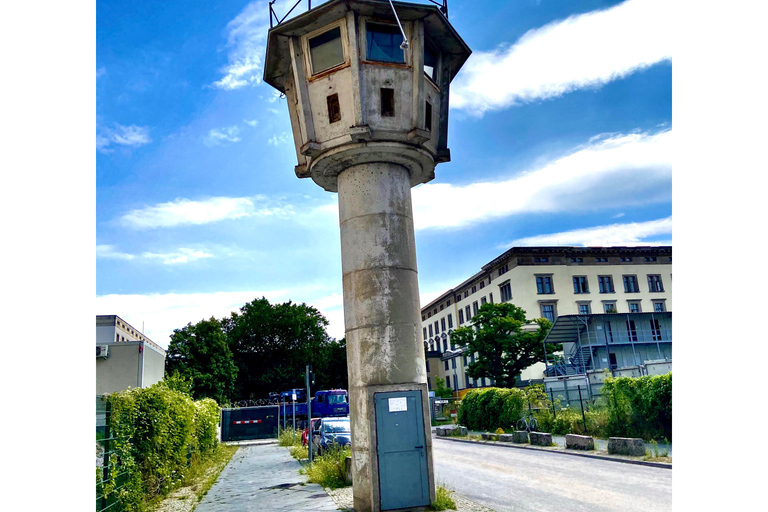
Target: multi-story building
(125, 357)
(546, 282)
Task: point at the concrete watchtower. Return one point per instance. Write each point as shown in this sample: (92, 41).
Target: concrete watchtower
(369, 113)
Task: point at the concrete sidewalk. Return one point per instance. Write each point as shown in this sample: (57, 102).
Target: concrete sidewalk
(264, 477)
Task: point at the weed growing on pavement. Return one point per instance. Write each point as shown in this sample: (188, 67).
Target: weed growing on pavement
(443, 500)
(299, 452)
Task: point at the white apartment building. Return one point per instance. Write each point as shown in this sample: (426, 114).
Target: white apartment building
(546, 282)
(125, 357)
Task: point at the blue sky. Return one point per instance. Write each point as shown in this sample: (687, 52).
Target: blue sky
(560, 134)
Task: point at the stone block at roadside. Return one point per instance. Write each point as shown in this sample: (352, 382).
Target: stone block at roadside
(348, 469)
(577, 442)
(487, 436)
(626, 446)
(520, 436)
(506, 438)
(541, 438)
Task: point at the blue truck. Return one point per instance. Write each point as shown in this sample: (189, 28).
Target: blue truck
(330, 402)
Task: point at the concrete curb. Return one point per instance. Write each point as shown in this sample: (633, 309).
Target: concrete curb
(571, 453)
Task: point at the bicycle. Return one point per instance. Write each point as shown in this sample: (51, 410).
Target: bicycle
(527, 423)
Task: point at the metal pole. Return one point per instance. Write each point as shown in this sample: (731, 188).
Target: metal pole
(309, 417)
(105, 470)
(552, 401)
(583, 416)
(293, 400)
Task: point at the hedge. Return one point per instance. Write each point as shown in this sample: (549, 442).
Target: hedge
(630, 407)
(639, 407)
(158, 431)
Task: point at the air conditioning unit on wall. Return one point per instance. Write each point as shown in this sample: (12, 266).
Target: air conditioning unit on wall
(102, 351)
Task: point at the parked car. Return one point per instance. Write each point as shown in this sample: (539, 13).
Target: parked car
(307, 430)
(329, 432)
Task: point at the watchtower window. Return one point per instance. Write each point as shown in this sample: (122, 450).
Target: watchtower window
(428, 120)
(326, 50)
(387, 102)
(334, 111)
(383, 43)
(430, 61)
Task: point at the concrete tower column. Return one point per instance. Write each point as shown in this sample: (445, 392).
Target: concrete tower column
(381, 308)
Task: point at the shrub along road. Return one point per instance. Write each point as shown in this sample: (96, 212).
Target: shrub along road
(509, 480)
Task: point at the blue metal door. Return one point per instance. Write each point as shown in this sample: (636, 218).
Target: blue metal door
(403, 478)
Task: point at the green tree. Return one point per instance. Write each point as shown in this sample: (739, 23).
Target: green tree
(441, 390)
(273, 343)
(331, 365)
(502, 337)
(201, 353)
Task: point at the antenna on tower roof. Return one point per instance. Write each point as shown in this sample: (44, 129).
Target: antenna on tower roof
(404, 44)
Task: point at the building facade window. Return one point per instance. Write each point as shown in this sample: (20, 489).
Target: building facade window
(584, 308)
(630, 284)
(631, 331)
(448, 382)
(490, 297)
(658, 306)
(474, 289)
(654, 283)
(450, 321)
(544, 285)
(580, 284)
(483, 300)
(626, 260)
(442, 324)
(634, 307)
(425, 334)
(430, 330)
(482, 284)
(326, 50)
(610, 307)
(445, 344)
(601, 260)
(467, 313)
(548, 312)
(605, 284)
(453, 363)
(650, 259)
(506, 292)
(461, 316)
(504, 269)
(474, 308)
(655, 329)
(445, 364)
(437, 328)
(577, 260)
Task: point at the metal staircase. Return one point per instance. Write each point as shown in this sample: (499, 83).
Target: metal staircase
(581, 357)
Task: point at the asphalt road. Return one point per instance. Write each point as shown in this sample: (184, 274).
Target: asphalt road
(508, 479)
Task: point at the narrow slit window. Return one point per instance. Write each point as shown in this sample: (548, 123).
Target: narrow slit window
(334, 111)
(428, 116)
(387, 102)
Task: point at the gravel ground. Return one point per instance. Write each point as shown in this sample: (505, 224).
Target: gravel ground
(343, 498)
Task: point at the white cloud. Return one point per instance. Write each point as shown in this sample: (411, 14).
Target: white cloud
(132, 136)
(586, 50)
(161, 313)
(246, 43)
(219, 135)
(621, 171)
(251, 122)
(187, 212)
(279, 139)
(182, 255)
(633, 233)
(109, 251)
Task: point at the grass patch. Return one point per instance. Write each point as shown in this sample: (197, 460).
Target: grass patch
(328, 469)
(289, 437)
(299, 452)
(443, 500)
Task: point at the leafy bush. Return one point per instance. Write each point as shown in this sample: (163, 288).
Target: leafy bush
(639, 407)
(491, 408)
(157, 431)
(289, 437)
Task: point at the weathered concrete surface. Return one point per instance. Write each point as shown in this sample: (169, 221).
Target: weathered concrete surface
(626, 446)
(506, 438)
(487, 436)
(451, 430)
(541, 438)
(348, 470)
(520, 436)
(264, 477)
(506, 479)
(381, 309)
(577, 442)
